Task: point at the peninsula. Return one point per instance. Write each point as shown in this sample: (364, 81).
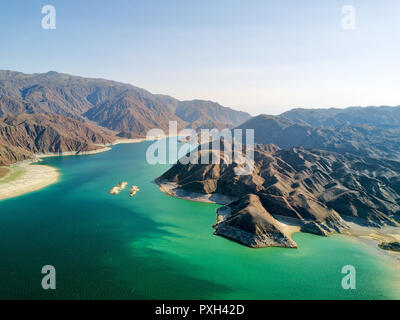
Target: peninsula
(313, 191)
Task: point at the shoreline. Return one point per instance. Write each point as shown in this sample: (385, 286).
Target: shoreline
(104, 148)
(171, 189)
(367, 235)
(71, 153)
(375, 236)
(25, 178)
(22, 177)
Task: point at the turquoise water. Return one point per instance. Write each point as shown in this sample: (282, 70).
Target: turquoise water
(153, 246)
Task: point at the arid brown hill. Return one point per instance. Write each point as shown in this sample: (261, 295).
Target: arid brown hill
(358, 139)
(23, 135)
(129, 110)
(126, 110)
(316, 190)
(246, 221)
(383, 117)
(208, 115)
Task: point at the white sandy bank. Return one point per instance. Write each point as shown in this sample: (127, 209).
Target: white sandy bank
(24, 178)
(71, 153)
(172, 189)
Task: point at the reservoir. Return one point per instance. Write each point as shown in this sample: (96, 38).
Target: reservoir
(152, 246)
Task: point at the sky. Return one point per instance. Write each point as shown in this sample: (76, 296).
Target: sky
(259, 56)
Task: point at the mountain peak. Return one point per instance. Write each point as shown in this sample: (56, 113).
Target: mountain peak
(52, 72)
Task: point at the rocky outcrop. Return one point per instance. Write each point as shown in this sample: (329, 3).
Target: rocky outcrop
(24, 135)
(319, 191)
(391, 246)
(247, 222)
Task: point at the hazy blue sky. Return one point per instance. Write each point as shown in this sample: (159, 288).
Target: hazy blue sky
(261, 56)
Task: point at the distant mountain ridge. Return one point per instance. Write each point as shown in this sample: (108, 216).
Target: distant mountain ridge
(126, 110)
(359, 139)
(381, 117)
(200, 113)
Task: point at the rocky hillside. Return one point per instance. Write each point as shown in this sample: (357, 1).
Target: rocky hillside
(25, 134)
(358, 139)
(381, 117)
(319, 191)
(57, 99)
(247, 221)
(208, 114)
(129, 110)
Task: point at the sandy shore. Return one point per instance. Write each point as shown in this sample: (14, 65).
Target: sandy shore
(375, 236)
(387, 233)
(25, 177)
(122, 141)
(71, 153)
(171, 189)
(3, 172)
(138, 140)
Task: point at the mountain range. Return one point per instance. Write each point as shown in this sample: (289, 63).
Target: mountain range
(116, 109)
(314, 169)
(384, 117)
(357, 138)
(319, 191)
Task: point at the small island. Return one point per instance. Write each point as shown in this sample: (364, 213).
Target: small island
(390, 246)
(121, 186)
(118, 188)
(133, 190)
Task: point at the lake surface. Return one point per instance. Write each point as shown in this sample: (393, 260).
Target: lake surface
(153, 246)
